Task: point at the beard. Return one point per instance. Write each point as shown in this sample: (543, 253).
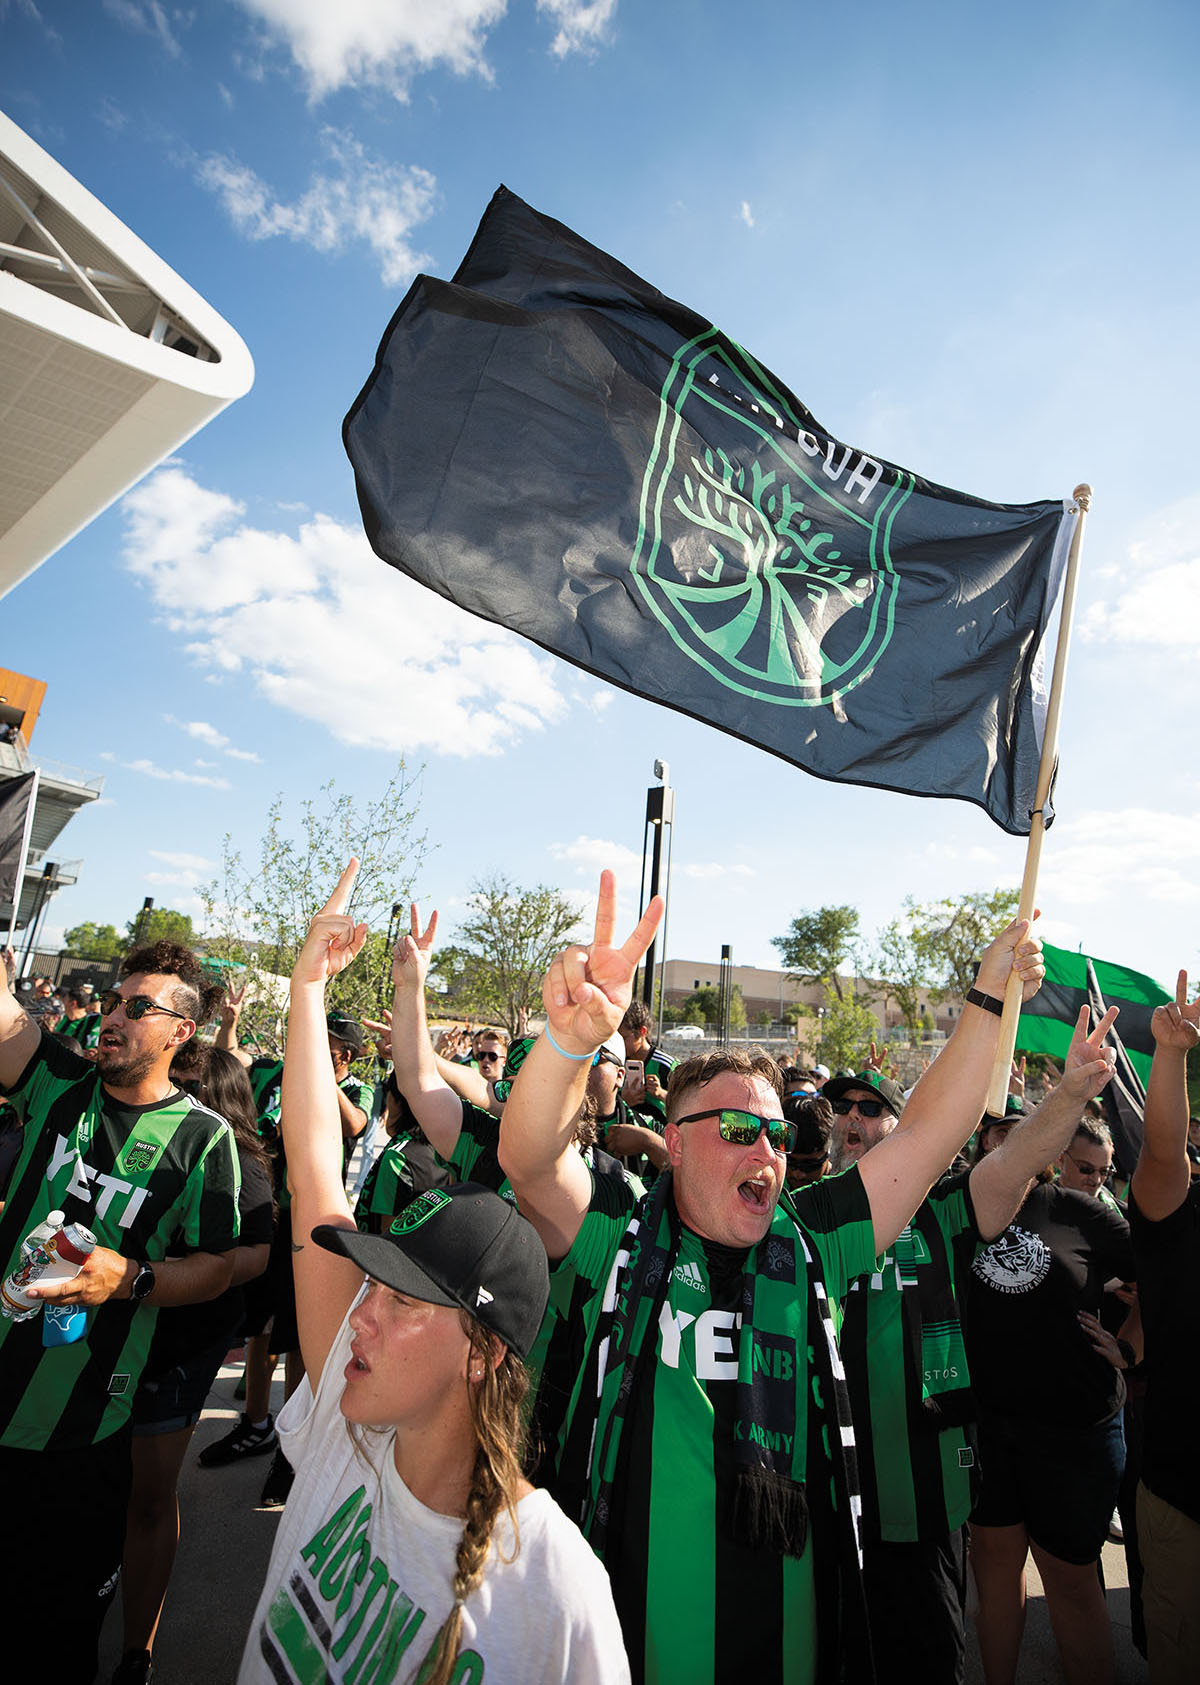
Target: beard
(585, 1124)
(118, 1070)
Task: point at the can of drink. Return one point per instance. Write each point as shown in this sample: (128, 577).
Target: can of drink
(58, 1258)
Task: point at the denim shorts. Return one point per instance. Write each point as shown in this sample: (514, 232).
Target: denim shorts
(1060, 1483)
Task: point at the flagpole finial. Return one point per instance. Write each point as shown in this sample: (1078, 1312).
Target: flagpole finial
(1083, 496)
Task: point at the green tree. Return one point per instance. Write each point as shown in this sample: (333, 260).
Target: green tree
(509, 939)
(847, 1030)
(463, 983)
(258, 910)
(819, 944)
(905, 969)
(703, 1006)
(93, 941)
(950, 935)
(160, 924)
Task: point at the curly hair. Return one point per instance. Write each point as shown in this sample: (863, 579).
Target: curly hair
(498, 1414)
(197, 995)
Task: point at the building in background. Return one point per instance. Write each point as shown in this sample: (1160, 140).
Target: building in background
(61, 792)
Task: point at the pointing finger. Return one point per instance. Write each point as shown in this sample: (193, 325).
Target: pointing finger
(340, 899)
(1181, 989)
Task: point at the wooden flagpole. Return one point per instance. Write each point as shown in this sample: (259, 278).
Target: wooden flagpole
(1002, 1069)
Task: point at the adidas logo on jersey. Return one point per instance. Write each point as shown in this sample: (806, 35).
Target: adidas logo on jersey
(690, 1275)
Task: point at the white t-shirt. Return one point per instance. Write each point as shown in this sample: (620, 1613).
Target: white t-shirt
(362, 1574)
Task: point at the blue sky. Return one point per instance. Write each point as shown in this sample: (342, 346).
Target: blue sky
(964, 235)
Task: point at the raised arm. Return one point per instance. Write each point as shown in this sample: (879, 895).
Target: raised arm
(435, 1105)
(585, 995)
(312, 1131)
(19, 1035)
(949, 1100)
(999, 1181)
(226, 1037)
(1162, 1178)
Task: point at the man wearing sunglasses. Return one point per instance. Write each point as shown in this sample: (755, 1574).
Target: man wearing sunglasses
(708, 1442)
(119, 1149)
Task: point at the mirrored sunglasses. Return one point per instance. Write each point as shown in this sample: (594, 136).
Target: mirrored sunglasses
(742, 1129)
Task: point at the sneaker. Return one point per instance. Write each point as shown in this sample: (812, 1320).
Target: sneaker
(245, 1440)
(277, 1484)
(134, 1668)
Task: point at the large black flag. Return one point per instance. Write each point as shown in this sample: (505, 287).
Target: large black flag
(556, 446)
(17, 796)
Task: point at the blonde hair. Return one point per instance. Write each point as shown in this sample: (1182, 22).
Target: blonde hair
(498, 1416)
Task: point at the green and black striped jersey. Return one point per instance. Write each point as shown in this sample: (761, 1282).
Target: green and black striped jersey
(405, 1168)
(916, 1476)
(695, 1604)
(85, 1030)
(147, 1180)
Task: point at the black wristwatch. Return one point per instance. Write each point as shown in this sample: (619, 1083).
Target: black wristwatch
(143, 1283)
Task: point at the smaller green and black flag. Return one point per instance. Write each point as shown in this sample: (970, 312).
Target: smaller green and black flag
(1048, 1020)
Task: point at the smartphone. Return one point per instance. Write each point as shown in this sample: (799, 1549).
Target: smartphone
(635, 1071)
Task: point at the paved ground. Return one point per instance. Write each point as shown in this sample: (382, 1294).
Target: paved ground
(226, 1541)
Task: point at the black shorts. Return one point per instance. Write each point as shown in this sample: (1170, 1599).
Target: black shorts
(174, 1399)
(1060, 1483)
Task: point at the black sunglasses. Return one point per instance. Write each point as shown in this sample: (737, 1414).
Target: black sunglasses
(137, 1006)
(866, 1108)
(742, 1129)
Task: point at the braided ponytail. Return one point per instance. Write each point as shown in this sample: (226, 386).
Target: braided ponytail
(498, 1414)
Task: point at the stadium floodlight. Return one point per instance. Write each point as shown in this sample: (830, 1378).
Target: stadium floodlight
(108, 359)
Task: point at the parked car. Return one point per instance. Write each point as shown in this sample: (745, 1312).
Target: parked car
(684, 1032)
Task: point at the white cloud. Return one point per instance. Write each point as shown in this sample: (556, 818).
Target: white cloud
(590, 855)
(183, 862)
(355, 198)
(328, 631)
(146, 17)
(200, 729)
(746, 214)
(381, 43)
(213, 739)
(208, 764)
(1098, 857)
(717, 869)
(582, 24)
(1154, 597)
(175, 776)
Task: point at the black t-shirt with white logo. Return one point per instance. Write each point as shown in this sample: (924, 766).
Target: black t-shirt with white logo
(1029, 1357)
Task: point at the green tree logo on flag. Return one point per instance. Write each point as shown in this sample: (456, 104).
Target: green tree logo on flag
(741, 546)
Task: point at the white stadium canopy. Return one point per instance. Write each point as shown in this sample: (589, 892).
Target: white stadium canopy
(108, 360)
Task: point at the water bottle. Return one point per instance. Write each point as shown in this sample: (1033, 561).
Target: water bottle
(48, 1226)
(58, 1258)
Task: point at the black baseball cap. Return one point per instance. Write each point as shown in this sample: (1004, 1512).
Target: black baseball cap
(889, 1091)
(463, 1246)
(348, 1030)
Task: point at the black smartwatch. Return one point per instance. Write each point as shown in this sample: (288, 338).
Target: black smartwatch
(143, 1283)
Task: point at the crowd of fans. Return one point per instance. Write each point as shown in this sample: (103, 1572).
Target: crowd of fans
(814, 1353)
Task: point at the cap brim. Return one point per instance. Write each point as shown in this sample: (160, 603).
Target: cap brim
(383, 1260)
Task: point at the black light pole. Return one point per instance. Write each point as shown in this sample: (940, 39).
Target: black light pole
(725, 995)
(147, 909)
(660, 817)
(46, 883)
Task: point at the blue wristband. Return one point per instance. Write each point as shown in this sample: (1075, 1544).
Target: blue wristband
(577, 1057)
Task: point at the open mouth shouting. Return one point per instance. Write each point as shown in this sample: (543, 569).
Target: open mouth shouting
(759, 1192)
